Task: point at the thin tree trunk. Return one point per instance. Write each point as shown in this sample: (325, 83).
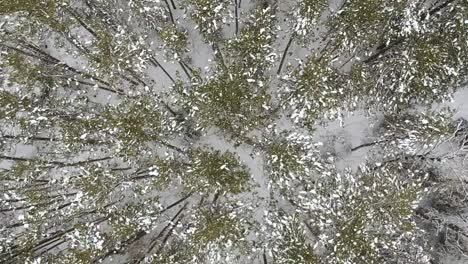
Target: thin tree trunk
(61, 163)
(170, 12)
(219, 55)
(169, 233)
(28, 54)
(438, 8)
(152, 59)
(118, 92)
(384, 49)
(40, 205)
(187, 66)
(153, 243)
(49, 243)
(176, 203)
(10, 158)
(83, 162)
(172, 146)
(157, 64)
(185, 70)
(15, 225)
(81, 22)
(52, 60)
(48, 197)
(123, 246)
(173, 4)
(37, 245)
(56, 245)
(369, 144)
(40, 244)
(36, 138)
(285, 52)
(236, 12)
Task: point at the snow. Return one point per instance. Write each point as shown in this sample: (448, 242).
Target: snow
(335, 139)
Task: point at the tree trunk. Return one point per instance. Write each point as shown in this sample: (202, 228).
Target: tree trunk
(285, 53)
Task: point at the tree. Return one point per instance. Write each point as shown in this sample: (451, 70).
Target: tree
(197, 131)
(315, 86)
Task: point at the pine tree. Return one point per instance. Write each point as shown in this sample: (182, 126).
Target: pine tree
(196, 131)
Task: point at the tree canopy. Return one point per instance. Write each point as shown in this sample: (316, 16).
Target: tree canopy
(214, 131)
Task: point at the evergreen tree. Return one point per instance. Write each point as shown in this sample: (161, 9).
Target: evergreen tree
(196, 131)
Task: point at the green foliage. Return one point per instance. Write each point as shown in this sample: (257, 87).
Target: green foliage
(25, 171)
(137, 121)
(217, 226)
(213, 171)
(369, 213)
(33, 6)
(72, 130)
(27, 73)
(81, 256)
(96, 183)
(287, 158)
(43, 12)
(311, 8)
(99, 92)
(360, 79)
(294, 246)
(422, 67)
(252, 48)
(363, 23)
(123, 222)
(317, 88)
(427, 127)
(114, 54)
(131, 124)
(425, 71)
(306, 17)
(403, 205)
(104, 43)
(11, 104)
(228, 101)
(175, 254)
(236, 98)
(433, 67)
(174, 38)
(351, 242)
(165, 171)
(208, 15)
